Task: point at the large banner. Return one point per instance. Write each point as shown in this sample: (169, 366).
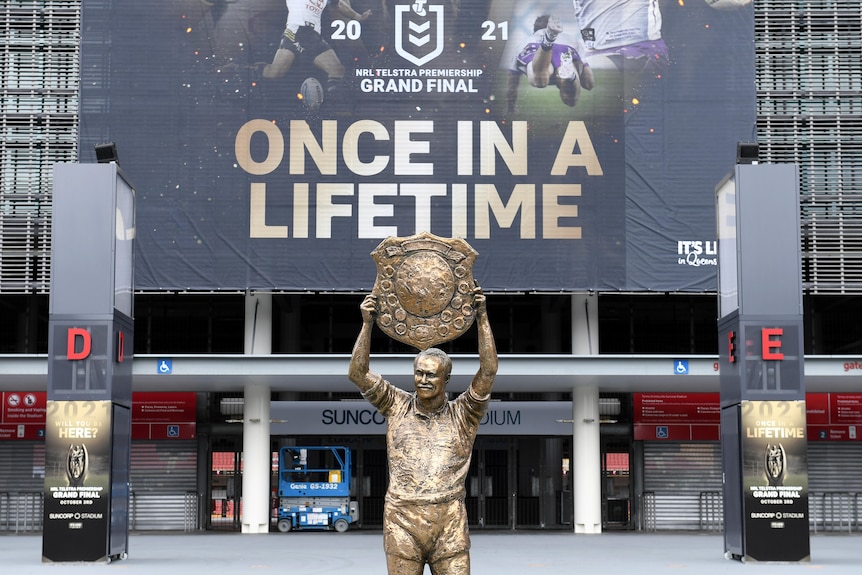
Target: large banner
(574, 144)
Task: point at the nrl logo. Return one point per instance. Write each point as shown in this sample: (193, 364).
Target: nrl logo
(423, 25)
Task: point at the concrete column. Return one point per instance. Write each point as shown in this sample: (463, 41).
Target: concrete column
(257, 459)
(586, 459)
(586, 443)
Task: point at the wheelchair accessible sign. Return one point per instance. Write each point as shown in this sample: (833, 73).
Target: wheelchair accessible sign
(164, 366)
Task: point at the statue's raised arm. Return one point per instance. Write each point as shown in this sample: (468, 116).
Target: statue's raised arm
(484, 378)
(359, 371)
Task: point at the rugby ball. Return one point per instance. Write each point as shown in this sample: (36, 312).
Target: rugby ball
(727, 4)
(311, 93)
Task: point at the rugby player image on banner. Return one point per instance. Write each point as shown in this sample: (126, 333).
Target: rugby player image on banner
(302, 40)
(574, 143)
(548, 57)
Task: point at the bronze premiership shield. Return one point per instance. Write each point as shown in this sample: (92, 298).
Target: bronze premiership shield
(424, 288)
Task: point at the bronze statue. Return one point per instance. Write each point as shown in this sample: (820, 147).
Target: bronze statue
(429, 441)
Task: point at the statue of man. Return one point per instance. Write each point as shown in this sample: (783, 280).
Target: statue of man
(429, 441)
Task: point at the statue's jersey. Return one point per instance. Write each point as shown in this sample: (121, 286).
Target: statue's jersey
(429, 453)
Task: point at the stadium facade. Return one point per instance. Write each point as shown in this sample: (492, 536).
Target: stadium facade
(605, 411)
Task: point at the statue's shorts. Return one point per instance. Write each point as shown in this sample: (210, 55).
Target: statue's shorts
(426, 532)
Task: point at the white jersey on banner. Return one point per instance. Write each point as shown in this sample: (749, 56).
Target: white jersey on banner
(305, 13)
(611, 23)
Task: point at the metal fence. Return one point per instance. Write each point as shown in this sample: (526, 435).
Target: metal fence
(710, 510)
(828, 511)
(21, 511)
(834, 511)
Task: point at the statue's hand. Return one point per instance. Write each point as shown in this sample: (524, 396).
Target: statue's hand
(369, 308)
(479, 301)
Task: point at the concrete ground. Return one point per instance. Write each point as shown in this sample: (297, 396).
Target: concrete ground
(493, 553)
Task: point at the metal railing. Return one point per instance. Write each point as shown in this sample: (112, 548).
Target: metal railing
(829, 511)
(834, 511)
(837, 511)
(21, 511)
(710, 510)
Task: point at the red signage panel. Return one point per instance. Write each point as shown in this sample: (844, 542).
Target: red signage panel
(22, 431)
(23, 407)
(833, 433)
(706, 432)
(154, 415)
(846, 408)
(158, 407)
(834, 416)
(697, 416)
(164, 430)
(168, 415)
(22, 415)
(817, 408)
(677, 408)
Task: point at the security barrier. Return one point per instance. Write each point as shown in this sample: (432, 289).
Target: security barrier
(21, 511)
(834, 511)
(710, 509)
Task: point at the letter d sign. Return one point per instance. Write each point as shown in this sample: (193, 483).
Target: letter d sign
(74, 335)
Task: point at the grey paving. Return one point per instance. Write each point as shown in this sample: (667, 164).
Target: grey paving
(494, 553)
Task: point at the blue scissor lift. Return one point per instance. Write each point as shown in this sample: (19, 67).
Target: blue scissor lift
(314, 485)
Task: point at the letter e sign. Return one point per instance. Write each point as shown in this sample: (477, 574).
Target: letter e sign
(769, 346)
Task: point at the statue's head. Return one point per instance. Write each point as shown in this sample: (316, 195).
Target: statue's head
(439, 355)
(431, 370)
